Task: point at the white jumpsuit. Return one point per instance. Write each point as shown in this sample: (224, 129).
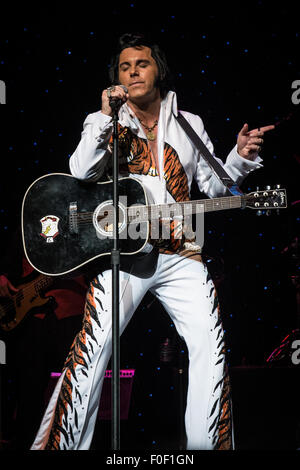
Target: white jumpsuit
(180, 281)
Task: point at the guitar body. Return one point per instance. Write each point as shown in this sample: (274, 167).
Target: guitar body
(60, 217)
(28, 298)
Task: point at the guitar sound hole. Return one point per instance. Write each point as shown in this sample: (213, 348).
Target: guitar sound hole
(103, 219)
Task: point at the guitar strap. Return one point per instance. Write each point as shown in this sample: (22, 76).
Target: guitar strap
(211, 161)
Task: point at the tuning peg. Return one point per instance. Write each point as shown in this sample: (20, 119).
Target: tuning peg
(268, 188)
(277, 186)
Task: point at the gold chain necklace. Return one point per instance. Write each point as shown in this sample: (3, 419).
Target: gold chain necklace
(150, 134)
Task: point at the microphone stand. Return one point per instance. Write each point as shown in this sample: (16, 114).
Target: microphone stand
(115, 262)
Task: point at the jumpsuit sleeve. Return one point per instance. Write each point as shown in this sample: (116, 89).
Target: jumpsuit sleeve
(91, 155)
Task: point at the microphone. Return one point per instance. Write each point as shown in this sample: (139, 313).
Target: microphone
(114, 102)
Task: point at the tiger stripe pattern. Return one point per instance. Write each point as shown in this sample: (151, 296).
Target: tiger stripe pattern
(66, 416)
(175, 176)
(135, 155)
(220, 413)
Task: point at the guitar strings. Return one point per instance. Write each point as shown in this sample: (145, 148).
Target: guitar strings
(161, 210)
(213, 204)
(26, 290)
(157, 211)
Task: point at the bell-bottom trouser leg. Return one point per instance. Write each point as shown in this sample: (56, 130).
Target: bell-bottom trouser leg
(186, 291)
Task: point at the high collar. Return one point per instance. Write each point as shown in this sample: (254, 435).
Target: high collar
(168, 106)
(170, 103)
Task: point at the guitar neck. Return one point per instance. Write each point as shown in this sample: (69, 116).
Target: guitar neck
(157, 211)
(42, 282)
(216, 204)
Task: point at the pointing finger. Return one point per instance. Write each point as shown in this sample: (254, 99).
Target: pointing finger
(261, 130)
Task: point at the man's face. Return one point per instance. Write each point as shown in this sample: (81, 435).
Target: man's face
(138, 71)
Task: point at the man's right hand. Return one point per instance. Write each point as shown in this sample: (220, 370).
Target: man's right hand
(6, 287)
(118, 93)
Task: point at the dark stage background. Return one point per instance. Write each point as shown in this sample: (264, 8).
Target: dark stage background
(231, 65)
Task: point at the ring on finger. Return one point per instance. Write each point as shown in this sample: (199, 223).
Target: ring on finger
(109, 90)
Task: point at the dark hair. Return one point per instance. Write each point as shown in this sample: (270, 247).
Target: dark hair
(139, 40)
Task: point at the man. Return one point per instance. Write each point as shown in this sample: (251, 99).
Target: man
(159, 154)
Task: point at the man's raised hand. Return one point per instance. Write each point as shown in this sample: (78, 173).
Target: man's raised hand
(249, 143)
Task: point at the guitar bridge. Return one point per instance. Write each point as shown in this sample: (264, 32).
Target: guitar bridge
(73, 219)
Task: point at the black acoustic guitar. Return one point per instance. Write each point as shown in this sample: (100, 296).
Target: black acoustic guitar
(67, 223)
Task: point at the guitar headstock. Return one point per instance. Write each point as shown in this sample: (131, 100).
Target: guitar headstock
(266, 199)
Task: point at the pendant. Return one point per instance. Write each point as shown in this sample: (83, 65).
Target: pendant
(150, 135)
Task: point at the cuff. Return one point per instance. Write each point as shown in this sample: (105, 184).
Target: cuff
(101, 125)
(242, 163)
